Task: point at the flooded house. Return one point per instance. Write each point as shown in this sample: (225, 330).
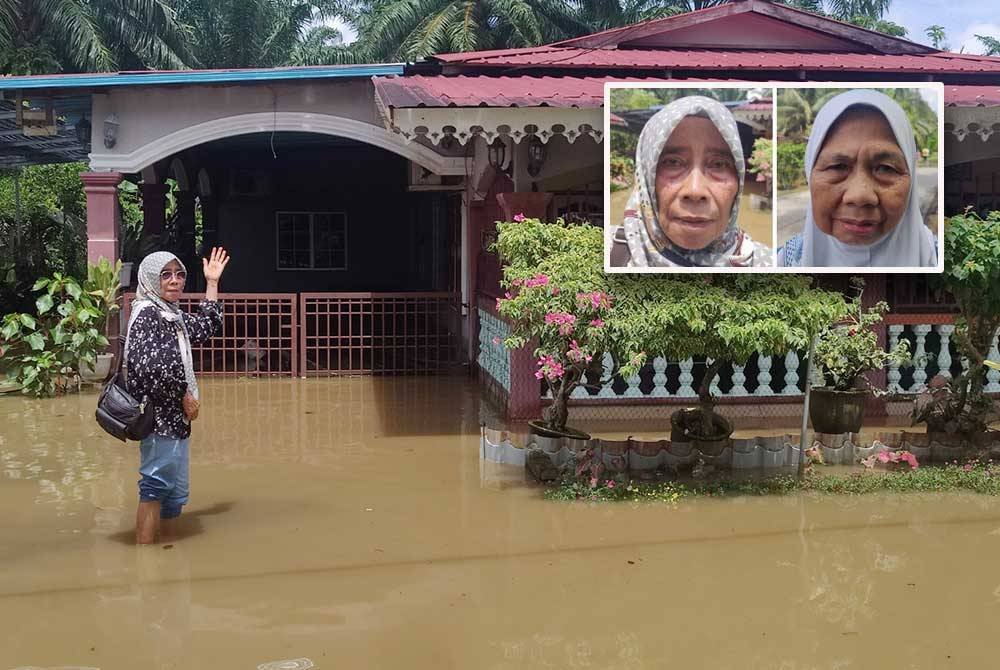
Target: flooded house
(360, 201)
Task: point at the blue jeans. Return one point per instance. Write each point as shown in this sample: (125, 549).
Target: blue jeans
(164, 470)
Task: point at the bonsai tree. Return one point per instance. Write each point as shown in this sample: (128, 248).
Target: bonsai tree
(848, 349)
(557, 299)
(972, 275)
(724, 318)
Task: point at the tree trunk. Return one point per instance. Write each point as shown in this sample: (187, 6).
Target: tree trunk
(705, 400)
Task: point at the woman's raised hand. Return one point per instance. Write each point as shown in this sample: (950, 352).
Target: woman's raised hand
(215, 264)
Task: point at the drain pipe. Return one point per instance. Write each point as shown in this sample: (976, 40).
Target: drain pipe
(805, 408)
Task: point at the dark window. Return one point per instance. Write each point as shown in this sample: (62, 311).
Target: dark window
(311, 240)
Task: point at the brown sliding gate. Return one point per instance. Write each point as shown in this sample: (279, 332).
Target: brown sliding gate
(379, 333)
(330, 334)
(259, 334)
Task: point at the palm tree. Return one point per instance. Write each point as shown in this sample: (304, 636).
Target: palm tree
(991, 44)
(936, 33)
(410, 29)
(257, 33)
(38, 36)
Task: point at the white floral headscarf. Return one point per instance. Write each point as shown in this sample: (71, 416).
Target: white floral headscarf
(148, 295)
(648, 245)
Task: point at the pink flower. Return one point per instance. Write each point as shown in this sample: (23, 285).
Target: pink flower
(909, 458)
(519, 217)
(499, 301)
(537, 280)
(883, 457)
(539, 374)
(610, 483)
(555, 290)
(496, 340)
(967, 467)
(597, 323)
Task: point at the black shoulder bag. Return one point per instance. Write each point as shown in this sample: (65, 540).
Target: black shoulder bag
(121, 415)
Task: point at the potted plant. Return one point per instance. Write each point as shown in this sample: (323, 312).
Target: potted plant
(103, 284)
(844, 352)
(556, 300)
(719, 319)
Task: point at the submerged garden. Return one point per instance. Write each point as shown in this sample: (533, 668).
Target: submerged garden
(560, 304)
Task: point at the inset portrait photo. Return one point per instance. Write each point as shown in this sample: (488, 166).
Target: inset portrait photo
(859, 177)
(689, 178)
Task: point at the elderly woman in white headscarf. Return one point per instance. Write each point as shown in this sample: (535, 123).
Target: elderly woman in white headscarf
(159, 367)
(864, 208)
(684, 206)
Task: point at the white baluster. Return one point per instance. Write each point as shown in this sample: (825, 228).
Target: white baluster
(920, 358)
(944, 356)
(764, 376)
(894, 375)
(992, 374)
(686, 379)
(633, 382)
(659, 378)
(738, 380)
(606, 391)
(791, 374)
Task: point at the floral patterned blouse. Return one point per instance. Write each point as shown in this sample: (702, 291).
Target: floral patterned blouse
(154, 366)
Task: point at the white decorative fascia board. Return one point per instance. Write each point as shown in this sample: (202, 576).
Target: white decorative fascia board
(264, 122)
(465, 123)
(981, 122)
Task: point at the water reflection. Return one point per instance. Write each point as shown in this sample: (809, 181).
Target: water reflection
(347, 517)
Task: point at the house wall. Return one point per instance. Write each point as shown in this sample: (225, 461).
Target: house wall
(396, 240)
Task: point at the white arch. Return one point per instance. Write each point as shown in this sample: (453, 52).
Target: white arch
(179, 174)
(264, 122)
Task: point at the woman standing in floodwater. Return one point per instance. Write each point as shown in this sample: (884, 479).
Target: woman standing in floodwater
(160, 367)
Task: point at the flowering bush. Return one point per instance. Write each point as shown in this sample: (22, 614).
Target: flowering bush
(847, 350)
(622, 173)
(555, 296)
(893, 460)
(760, 161)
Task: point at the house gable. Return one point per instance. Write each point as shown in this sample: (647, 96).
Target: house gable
(749, 24)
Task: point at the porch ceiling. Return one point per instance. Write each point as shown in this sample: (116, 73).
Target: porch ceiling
(20, 150)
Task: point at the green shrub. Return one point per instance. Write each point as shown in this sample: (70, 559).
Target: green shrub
(791, 164)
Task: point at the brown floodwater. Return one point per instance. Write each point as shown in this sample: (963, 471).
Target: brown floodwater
(348, 523)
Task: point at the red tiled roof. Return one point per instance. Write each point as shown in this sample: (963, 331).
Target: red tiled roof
(527, 91)
(716, 59)
(481, 91)
(972, 96)
(763, 103)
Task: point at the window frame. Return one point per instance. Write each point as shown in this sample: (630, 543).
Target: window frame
(312, 240)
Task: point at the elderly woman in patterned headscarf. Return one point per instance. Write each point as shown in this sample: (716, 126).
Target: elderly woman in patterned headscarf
(159, 368)
(689, 175)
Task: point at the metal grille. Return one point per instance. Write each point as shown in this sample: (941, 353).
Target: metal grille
(914, 293)
(258, 334)
(379, 333)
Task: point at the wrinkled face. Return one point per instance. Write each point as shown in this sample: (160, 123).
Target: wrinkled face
(696, 184)
(860, 183)
(172, 280)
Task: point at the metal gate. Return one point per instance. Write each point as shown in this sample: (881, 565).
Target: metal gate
(379, 333)
(259, 334)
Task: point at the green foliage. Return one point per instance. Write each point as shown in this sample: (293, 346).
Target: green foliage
(975, 476)
(727, 318)
(849, 349)
(972, 275)
(791, 164)
(556, 298)
(43, 352)
(623, 143)
(42, 36)
(990, 44)
(44, 234)
(936, 34)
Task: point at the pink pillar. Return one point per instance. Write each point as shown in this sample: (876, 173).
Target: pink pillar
(531, 205)
(102, 214)
(154, 207)
(525, 400)
(876, 290)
